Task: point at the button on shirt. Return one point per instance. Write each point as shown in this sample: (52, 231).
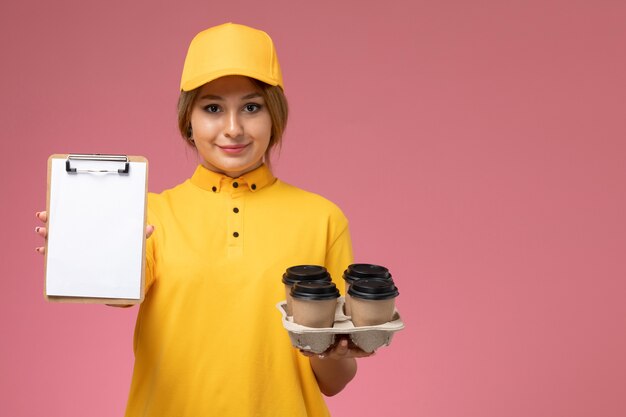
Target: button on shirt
(209, 339)
(232, 192)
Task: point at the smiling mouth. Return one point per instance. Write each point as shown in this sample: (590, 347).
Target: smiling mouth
(232, 149)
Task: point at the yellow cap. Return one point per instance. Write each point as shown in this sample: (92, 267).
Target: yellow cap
(230, 49)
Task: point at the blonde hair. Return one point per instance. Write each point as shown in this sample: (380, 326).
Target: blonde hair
(274, 98)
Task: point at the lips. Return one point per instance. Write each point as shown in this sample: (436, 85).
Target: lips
(233, 149)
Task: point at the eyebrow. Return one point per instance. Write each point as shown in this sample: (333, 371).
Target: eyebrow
(214, 97)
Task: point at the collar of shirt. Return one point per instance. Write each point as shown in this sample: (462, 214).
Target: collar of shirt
(254, 180)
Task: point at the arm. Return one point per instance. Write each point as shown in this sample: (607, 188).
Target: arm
(336, 367)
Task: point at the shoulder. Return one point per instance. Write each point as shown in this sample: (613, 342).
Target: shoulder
(307, 202)
(161, 203)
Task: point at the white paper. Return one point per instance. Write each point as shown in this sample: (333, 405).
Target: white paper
(96, 231)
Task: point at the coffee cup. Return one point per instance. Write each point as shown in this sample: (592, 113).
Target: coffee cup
(356, 272)
(302, 273)
(314, 303)
(372, 301)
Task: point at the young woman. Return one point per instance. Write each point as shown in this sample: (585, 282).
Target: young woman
(208, 339)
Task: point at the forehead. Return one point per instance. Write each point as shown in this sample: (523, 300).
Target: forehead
(229, 85)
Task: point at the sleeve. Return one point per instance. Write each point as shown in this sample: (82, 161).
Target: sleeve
(339, 252)
(149, 263)
(151, 246)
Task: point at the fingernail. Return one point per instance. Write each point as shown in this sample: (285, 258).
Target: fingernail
(36, 229)
(36, 249)
(37, 214)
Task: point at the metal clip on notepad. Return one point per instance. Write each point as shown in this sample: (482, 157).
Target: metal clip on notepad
(97, 157)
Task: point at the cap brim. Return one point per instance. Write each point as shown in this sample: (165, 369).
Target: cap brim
(207, 78)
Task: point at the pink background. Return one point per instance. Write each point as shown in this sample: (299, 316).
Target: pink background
(477, 148)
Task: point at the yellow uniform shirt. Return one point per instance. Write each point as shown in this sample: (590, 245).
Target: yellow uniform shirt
(209, 340)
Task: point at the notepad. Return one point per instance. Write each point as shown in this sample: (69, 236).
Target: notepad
(95, 249)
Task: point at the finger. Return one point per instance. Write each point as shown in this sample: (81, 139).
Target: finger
(41, 231)
(42, 215)
(339, 351)
(149, 230)
(342, 348)
(40, 250)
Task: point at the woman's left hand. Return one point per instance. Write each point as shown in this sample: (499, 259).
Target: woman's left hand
(342, 349)
(336, 367)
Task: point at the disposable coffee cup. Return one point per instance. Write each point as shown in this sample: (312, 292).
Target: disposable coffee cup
(314, 303)
(356, 272)
(373, 301)
(302, 273)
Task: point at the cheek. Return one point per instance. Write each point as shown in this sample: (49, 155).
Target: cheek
(266, 129)
(203, 129)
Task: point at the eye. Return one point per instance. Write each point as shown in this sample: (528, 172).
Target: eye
(212, 108)
(251, 107)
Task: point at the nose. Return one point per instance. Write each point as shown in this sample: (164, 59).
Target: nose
(233, 127)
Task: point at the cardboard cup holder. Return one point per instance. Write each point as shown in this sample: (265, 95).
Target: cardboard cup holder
(318, 340)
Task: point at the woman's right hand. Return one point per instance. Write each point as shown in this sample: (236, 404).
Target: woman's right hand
(43, 230)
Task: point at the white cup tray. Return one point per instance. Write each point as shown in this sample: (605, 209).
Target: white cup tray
(318, 340)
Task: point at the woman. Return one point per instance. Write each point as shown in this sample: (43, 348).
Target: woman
(208, 339)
